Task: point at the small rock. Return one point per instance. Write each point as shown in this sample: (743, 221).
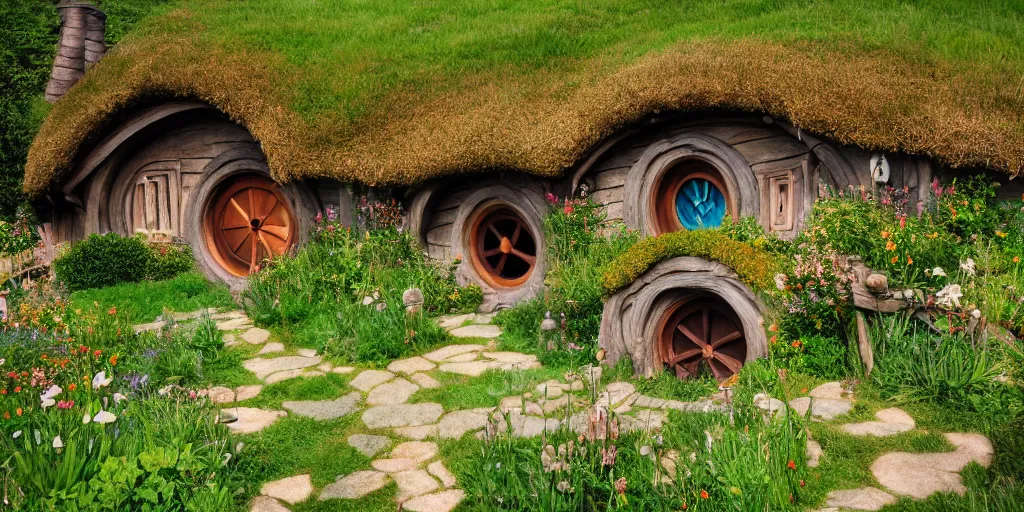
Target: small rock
(424, 381)
(252, 420)
(414, 483)
(877, 283)
(343, 369)
(393, 465)
(618, 392)
(396, 391)
(368, 379)
(356, 485)
(325, 409)
(411, 365)
(381, 306)
(451, 350)
(220, 395)
(444, 501)
(243, 393)
(306, 352)
(402, 415)
(865, 498)
(556, 405)
(367, 444)
(270, 348)
(256, 336)
(412, 297)
(767, 403)
(649, 402)
(551, 389)
(477, 331)
(292, 490)
(824, 408)
(831, 391)
(266, 504)
(367, 300)
(437, 469)
(416, 450)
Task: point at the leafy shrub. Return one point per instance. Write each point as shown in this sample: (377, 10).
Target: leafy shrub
(16, 236)
(821, 356)
(102, 260)
(167, 261)
(754, 267)
(816, 296)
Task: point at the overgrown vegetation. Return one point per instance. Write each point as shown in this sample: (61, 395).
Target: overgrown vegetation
(342, 293)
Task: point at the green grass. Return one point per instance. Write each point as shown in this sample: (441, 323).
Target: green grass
(487, 390)
(142, 302)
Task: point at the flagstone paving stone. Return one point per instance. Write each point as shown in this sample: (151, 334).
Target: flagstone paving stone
(920, 475)
(463, 358)
(411, 365)
(418, 451)
(356, 485)
(414, 483)
(424, 381)
(263, 367)
(396, 391)
(276, 377)
(865, 498)
(890, 422)
(246, 392)
(266, 504)
(402, 415)
(368, 444)
(443, 501)
(252, 420)
(451, 350)
(418, 433)
(368, 379)
(821, 408)
(476, 331)
(255, 336)
(271, 348)
(293, 489)
(438, 469)
(325, 409)
(394, 465)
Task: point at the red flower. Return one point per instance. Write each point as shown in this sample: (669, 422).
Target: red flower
(13, 375)
(112, 311)
(791, 465)
(568, 209)
(72, 386)
(96, 353)
(17, 389)
(802, 483)
(703, 494)
(684, 506)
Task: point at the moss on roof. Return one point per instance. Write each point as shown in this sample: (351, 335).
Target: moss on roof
(387, 92)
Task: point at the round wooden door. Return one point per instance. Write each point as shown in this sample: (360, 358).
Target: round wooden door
(247, 223)
(504, 251)
(702, 334)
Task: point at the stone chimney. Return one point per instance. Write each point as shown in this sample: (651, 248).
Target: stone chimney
(82, 27)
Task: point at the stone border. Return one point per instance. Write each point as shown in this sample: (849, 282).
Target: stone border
(531, 207)
(631, 316)
(661, 156)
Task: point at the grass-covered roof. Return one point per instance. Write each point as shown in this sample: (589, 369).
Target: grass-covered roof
(395, 91)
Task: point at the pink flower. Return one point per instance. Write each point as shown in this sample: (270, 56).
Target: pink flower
(65, 404)
(551, 198)
(568, 209)
(319, 217)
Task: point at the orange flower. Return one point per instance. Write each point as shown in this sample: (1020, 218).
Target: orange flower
(112, 311)
(895, 259)
(703, 494)
(7, 415)
(1016, 259)
(889, 246)
(910, 261)
(18, 410)
(96, 353)
(72, 386)
(885, 235)
(791, 465)
(796, 344)
(774, 339)
(113, 360)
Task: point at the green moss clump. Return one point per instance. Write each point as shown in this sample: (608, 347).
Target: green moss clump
(754, 266)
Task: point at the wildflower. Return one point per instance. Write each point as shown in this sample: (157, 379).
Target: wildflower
(100, 380)
(791, 465)
(118, 398)
(938, 272)
(885, 235)
(889, 246)
(112, 311)
(780, 281)
(910, 261)
(684, 507)
(17, 389)
(568, 209)
(7, 415)
(65, 404)
(97, 353)
(802, 483)
(895, 259)
(903, 222)
(113, 360)
(949, 295)
(703, 494)
(620, 485)
(550, 198)
(58, 443)
(104, 417)
(1016, 259)
(608, 455)
(796, 344)
(1000, 234)
(319, 217)
(968, 266)
(19, 410)
(16, 435)
(86, 418)
(72, 386)
(564, 486)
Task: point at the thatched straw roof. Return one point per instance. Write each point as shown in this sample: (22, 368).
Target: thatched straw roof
(333, 97)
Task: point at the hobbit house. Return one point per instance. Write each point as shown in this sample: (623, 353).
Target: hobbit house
(227, 172)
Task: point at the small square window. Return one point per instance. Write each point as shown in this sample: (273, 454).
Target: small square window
(780, 202)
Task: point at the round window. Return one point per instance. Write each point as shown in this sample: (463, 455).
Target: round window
(503, 248)
(690, 196)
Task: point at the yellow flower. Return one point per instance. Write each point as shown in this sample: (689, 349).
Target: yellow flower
(1000, 234)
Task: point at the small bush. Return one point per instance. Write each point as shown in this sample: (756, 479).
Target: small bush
(103, 260)
(167, 261)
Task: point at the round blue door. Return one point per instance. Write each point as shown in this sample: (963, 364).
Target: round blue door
(700, 204)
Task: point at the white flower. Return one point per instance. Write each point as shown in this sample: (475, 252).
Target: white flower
(16, 435)
(938, 272)
(2, 361)
(976, 313)
(58, 442)
(104, 417)
(86, 418)
(949, 295)
(39, 439)
(968, 266)
(780, 281)
(46, 402)
(100, 380)
(118, 398)
(46, 398)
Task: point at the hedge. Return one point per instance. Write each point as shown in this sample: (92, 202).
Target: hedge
(755, 267)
